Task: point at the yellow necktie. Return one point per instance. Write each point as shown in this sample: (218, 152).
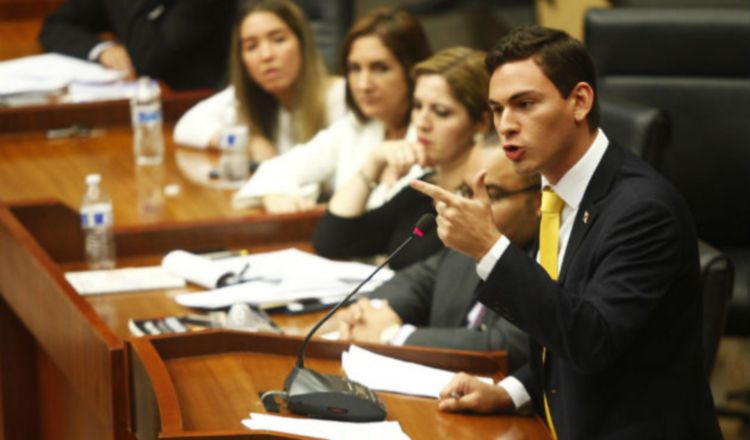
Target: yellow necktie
(552, 206)
(549, 230)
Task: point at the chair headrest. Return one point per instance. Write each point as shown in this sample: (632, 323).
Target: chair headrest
(642, 41)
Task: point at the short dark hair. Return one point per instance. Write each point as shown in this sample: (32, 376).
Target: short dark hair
(400, 32)
(562, 58)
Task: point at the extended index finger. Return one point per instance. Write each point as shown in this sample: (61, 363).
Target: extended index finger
(435, 192)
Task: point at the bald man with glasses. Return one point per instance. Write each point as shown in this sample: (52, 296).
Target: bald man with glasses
(433, 302)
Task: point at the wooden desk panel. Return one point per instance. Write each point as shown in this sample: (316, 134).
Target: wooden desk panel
(19, 37)
(114, 113)
(26, 9)
(203, 385)
(73, 349)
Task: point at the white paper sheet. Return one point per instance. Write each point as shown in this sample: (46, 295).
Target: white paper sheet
(326, 429)
(196, 269)
(123, 280)
(383, 373)
(283, 276)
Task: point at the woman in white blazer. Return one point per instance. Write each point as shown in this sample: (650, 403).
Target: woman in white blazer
(377, 55)
(279, 85)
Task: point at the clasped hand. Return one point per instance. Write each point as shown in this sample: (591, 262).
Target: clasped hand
(366, 319)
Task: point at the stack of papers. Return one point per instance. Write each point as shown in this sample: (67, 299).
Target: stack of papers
(387, 374)
(284, 276)
(51, 73)
(327, 429)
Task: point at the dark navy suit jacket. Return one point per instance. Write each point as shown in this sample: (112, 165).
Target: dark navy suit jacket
(623, 323)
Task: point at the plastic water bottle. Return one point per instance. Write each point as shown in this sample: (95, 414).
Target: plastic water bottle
(145, 111)
(96, 222)
(234, 165)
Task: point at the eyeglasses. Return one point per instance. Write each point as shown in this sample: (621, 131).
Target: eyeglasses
(494, 192)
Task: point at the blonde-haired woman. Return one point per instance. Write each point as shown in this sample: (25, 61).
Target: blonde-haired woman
(450, 115)
(279, 85)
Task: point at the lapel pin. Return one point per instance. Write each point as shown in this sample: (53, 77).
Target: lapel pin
(586, 216)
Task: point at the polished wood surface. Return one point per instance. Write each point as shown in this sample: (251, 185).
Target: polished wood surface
(33, 167)
(202, 386)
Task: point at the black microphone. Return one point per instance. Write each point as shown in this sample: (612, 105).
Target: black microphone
(329, 396)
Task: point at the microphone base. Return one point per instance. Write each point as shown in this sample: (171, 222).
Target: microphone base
(328, 396)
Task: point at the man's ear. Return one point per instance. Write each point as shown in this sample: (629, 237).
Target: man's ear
(582, 97)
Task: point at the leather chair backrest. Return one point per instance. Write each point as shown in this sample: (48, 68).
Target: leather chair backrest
(641, 128)
(717, 279)
(694, 64)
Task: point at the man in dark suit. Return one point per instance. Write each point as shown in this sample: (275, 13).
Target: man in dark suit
(616, 350)
(433, 302)
(184, 43)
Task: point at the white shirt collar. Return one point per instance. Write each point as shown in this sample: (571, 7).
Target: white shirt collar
(573, 184)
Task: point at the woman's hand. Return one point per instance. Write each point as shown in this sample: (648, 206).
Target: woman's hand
(393, 159)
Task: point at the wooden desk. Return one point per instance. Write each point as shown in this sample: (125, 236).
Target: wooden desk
(34, 167)
(64, 370)
(201, 386)
(63, 359)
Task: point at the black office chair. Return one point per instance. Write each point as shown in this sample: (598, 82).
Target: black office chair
(642, 129)
(694, 64)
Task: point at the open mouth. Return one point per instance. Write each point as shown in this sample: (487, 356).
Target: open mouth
(513, 152)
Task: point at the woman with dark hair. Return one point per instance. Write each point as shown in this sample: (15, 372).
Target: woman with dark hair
(279, 85)
(377, 55)
(450, 116)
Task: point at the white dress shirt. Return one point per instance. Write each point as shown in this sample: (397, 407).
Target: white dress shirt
(325, 162)
(571, 188)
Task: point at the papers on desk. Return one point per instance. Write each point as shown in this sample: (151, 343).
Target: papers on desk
(383, 373)
(284, 276)
(327, 429)
(123, 280)
(48, 73)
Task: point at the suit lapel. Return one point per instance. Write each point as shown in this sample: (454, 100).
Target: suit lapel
(587, 214)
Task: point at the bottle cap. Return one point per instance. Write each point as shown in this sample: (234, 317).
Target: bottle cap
(145, 89)
(92, 179)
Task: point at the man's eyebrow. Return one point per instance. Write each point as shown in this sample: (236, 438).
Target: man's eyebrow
(519, 95)
(514, 97)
